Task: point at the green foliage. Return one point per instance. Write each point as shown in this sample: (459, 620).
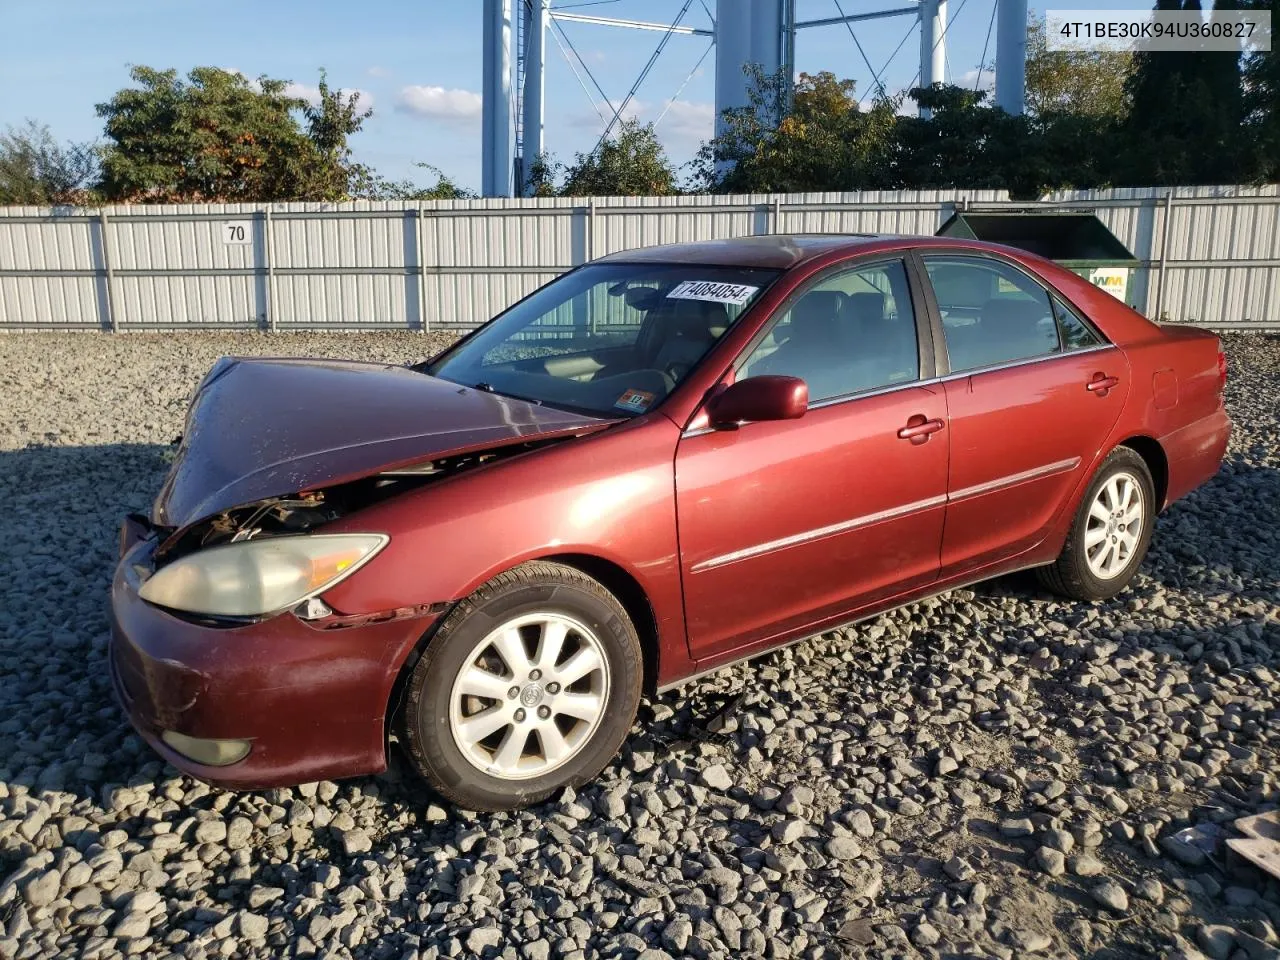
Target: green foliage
(823, 139)
(1261, 101)
(212, 137)
(1086, 83)
(330, 172)
(629, 163)
(35, 169)
(217, 136)
(1186, 117)
(1094, 120)
(371, 186)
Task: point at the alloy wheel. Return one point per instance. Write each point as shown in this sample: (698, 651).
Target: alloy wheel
(529, 696)
(1114, 526)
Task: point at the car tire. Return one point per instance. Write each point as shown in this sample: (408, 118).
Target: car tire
(1106, 543)
(489, 734)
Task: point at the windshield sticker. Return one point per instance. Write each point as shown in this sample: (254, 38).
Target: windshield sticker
(734, 293)
(634, 401)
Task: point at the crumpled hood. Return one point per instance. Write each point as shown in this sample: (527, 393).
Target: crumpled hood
(261, 428)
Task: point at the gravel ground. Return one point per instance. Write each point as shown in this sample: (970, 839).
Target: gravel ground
(990, 773)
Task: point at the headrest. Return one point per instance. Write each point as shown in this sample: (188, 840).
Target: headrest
(867, 306)
(696, 319)
(1011, 316)
(817, 314)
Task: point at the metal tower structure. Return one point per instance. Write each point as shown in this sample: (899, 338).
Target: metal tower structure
(760, 32)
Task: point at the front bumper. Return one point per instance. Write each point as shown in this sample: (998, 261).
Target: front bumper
(312, 701)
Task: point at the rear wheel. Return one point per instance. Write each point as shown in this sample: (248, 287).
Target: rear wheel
(528, 686)
(1111, 531)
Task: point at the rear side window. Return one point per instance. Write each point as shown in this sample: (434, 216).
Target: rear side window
(992, 313)
(850, 332)
(1073, 331)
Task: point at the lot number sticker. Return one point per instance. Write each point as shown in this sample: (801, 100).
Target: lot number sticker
(237, 232)
(734, 293)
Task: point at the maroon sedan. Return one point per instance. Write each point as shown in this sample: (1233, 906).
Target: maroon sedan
(661, 463)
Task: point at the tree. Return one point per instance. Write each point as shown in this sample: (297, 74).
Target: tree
(1262, 101)
(330, 123)
(372, 186)
(630, 163)
(217, 136)
(815, 139)
(1089, 83)
(1186, 117)
(36, 170)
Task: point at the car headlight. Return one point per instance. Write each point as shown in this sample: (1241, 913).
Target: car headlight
(259, 577)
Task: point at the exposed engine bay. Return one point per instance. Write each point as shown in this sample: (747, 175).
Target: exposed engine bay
(309, 510)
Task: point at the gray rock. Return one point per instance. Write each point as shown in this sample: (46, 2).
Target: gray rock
(131, 926)
(1111, 895)
(252, 926)
(1085, 865)
(844, 848)
(716, 777)
(1051, 861)
(676, 934)
(925, 935)
(481, 938)
(1216, 940)
(42, 889)
(788, 831)
(211, 831)
(355, 841)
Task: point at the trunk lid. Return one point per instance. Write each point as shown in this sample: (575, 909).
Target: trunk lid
(261, 428)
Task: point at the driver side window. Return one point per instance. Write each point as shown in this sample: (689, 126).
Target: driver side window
(850, 332)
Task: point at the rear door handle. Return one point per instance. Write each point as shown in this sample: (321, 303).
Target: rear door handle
(1101, 383)
(919, 428)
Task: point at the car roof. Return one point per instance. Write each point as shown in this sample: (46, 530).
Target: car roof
(779, 251)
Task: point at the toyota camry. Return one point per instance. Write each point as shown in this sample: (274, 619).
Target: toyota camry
(663, 462)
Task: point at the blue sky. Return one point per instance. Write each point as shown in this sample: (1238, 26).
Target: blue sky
(419, 63)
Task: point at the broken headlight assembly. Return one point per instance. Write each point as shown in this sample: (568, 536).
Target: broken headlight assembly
(255, 578)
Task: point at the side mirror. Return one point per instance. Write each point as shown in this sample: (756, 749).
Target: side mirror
(759, 398)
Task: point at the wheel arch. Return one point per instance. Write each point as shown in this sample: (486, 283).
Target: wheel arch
(1157, 461)
(618, 581)
(614, 578)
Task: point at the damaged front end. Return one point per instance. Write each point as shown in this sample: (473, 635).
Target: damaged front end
(303, 513)
(306, 511)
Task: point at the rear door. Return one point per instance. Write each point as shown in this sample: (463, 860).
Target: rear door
(784, 524)
(1032, 392)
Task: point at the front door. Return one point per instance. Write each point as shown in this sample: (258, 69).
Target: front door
(1034, 393)
(785, 524)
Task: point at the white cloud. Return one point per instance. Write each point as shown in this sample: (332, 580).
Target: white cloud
(969, 77)
(438, 103)
(378, 72)
(689, 120)
(303, 91)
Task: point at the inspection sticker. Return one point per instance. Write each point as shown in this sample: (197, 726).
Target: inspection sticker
(634, 401)
(735, 293)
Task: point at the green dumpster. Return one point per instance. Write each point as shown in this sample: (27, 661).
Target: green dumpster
(1078, 241)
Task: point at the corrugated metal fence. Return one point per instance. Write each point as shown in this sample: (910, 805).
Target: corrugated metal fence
(1209, 255)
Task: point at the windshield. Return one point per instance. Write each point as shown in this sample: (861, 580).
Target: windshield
(610, 339)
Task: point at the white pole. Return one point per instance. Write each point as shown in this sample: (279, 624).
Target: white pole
(534, 86)
(933, 49)
(1011, 56)
(497, 134)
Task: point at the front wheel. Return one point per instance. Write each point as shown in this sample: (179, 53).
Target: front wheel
(528, 686)
(1110, 533)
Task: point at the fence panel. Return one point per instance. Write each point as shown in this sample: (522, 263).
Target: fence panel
(1209, 255)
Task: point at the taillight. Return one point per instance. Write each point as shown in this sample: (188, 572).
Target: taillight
(1222, 367)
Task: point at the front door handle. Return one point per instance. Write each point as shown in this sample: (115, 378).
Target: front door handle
(919, 428)
(1101, 384)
